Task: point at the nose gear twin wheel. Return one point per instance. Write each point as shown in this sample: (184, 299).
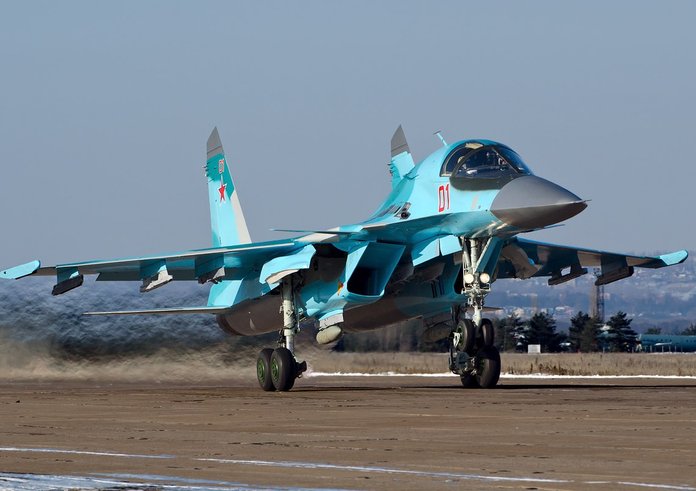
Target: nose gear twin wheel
(467, 332)
(473, 355)
(471, 337)
(487, 334)
(486, 369)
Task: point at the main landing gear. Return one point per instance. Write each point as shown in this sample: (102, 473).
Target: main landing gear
(473, 355)
(277, 369)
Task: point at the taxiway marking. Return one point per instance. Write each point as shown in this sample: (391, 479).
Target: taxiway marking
(502, 376)
(354, 468)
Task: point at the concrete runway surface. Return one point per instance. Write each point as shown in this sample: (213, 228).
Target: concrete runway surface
(351, 433)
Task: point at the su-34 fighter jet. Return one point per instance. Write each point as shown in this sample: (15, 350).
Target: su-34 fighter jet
(445, 233)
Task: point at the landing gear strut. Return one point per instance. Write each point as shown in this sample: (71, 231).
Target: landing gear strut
(277, 369)
(473, 355)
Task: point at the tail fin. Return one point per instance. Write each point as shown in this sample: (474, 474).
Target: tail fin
(401, 159)
(226, 216)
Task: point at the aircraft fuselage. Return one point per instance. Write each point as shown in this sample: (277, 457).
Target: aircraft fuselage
(471, 189)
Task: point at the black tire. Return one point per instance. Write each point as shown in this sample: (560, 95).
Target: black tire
(469, 381)
(263, 369)
(487, 338)
(487, 367)
(283, 372)
(468, 331)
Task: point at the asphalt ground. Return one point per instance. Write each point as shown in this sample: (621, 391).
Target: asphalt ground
(351, 433)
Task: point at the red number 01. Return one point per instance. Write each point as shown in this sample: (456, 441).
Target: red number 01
(443, 198)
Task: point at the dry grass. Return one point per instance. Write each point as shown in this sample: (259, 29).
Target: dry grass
(19, 362)
(602, 364)
(520, 364)
(377, 362)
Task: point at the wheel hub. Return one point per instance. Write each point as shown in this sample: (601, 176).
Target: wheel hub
(275, 370)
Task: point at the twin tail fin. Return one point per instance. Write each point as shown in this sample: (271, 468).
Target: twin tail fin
(226, 215)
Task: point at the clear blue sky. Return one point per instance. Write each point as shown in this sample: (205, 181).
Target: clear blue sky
(105, 108)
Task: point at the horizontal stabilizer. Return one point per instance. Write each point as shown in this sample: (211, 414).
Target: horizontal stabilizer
(20, 271)
(175, 310)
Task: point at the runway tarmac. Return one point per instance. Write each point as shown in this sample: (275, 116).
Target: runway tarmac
(351, 433)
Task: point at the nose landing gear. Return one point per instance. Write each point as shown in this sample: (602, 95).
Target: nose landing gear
(473, 355)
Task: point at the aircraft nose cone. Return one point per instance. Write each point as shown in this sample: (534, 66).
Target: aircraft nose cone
(530, 202)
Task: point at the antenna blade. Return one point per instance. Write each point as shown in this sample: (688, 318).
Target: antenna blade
(438, 133)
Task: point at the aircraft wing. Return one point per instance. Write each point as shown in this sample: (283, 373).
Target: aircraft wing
(523, 258)
(215, 264)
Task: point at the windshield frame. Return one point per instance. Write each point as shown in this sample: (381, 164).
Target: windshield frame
(513, 163)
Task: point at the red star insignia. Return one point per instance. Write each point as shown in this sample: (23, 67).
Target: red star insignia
(221, 190)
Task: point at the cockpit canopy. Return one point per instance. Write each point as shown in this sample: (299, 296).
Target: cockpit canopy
(479, 160)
